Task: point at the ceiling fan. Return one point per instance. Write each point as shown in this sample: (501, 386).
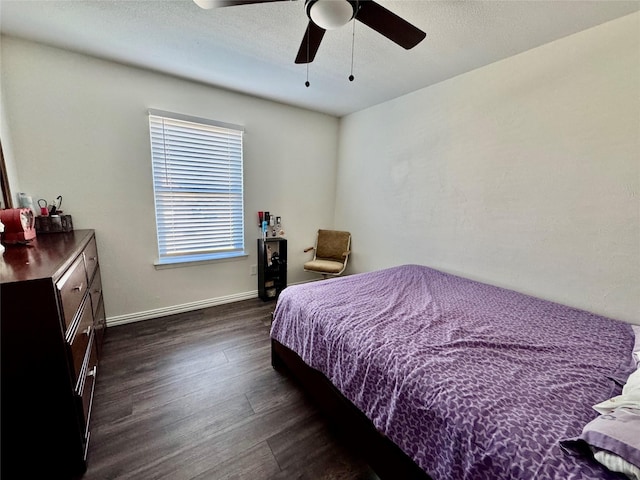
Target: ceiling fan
(331, 14)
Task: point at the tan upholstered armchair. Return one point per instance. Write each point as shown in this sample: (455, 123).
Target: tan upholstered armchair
(330, 253)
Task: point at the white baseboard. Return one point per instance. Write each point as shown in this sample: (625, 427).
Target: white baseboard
(174, 309)
(186, 307)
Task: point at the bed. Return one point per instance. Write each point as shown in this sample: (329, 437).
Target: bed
(443, 377)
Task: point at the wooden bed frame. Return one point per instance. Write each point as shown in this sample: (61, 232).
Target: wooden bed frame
(384, 456)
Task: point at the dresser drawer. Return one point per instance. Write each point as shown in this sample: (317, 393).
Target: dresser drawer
(100, 325)
(72, 286)
(91, 258)
(95, 291)
(80, 341)
(86, 388)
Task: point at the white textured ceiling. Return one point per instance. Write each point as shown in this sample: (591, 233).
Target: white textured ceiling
(251, 48)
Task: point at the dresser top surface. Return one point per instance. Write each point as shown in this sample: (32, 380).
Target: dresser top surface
(45, 257)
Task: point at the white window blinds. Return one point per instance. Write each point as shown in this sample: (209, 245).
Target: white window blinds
(197, 180)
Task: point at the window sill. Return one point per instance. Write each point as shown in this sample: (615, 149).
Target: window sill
(180, 262)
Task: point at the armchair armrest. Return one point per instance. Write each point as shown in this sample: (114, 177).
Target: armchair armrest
(344, 254)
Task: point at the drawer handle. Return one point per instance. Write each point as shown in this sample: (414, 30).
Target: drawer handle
(77, 288)
(93, 371)
(93, 259)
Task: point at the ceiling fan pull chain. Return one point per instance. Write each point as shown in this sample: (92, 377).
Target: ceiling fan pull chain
(353, 41)
(306, 84)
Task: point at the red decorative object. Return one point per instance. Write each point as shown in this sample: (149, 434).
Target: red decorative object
(19, 225)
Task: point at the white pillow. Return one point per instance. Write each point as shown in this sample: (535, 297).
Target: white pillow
(629, 398)
(633, 383)
(616, 464)
(636, 347)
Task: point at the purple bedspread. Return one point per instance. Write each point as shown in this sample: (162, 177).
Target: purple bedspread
(471, 381)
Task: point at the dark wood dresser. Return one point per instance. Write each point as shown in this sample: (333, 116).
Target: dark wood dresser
(52, 324)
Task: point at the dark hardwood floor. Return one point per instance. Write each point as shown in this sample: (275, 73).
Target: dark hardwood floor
(194, 396)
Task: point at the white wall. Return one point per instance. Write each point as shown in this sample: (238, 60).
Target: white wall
(7, 148)
(524, 174)
(79, 128)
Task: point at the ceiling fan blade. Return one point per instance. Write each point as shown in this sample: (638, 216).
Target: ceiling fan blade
(310, 43)
(387, 23)
(207, 4)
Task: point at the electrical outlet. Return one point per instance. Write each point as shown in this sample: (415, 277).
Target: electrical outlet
(253, 270)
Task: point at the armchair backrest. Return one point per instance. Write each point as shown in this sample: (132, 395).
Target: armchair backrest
(332, 244)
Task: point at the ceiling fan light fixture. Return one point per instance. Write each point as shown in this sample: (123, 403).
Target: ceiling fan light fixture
(205, 4)
(331, 14)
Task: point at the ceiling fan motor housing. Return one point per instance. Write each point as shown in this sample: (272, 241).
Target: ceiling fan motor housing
(331, 14)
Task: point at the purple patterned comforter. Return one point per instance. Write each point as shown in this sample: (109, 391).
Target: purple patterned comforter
(471, 381)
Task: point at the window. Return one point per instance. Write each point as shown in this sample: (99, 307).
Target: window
(197, 182)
